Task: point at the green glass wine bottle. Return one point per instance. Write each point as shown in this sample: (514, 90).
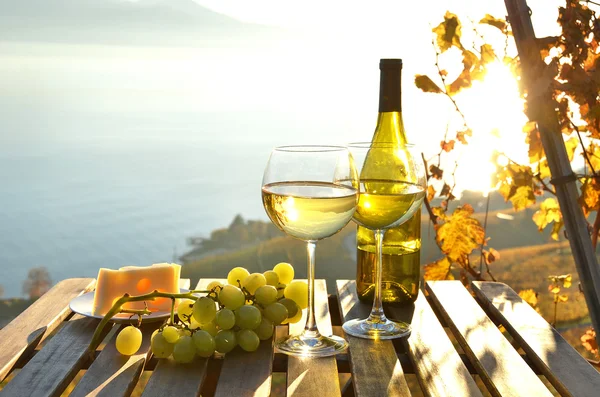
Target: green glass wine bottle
(401, 267)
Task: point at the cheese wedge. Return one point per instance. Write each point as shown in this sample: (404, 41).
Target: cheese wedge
(136, 280)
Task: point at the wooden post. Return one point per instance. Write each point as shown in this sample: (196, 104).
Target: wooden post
(541, 109)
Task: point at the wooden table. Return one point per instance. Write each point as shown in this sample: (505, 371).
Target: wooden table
(456, 349)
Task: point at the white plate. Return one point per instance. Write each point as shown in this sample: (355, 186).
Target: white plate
(83, 305)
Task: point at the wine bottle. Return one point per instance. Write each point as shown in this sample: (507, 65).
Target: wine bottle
(401, 267)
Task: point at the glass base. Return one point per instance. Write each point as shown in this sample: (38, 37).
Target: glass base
(377, 330)
(305, 346)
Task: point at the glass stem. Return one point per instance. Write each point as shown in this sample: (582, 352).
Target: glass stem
(377, 315)
(310, 329)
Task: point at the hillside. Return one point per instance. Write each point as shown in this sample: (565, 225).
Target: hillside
(336, 255)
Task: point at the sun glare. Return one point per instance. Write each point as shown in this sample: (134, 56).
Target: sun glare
(494, 110)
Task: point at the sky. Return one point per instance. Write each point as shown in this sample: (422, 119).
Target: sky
(310, 61)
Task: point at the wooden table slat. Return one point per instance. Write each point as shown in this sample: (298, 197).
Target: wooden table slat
(113, 374)
(496, 361)
(376, 370)
(51, 370)
(182, 379)
(36, 322)
(244, 374)
(564, 367)
(173, 379)
(312, 377)
(439, 368)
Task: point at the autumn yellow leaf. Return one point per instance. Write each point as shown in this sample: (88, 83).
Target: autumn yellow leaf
(522, 198)
(426, 84)
(571, 145)
(460, 234)
(549, 212)
(487, 53)
(529, 296)
(448, 32)
(438, 270)
(430, 193)
(495, 22)
(555, 289)
(588, 340)
(567, 280)
(563, 298)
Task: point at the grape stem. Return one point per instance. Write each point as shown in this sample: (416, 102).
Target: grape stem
(117, 308)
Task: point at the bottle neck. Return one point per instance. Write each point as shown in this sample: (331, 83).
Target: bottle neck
(390, 90)
(390, 128)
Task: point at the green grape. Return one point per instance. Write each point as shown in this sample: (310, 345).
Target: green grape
(232, 297)
(280, 290)
(248, 340)
(253, 282)
(184, 332)
(225, 341)
(271, 277)
(184, 310)
(184, 350)
(293, 319)
(211, 327)
(129, 340)
(205, 310)
(171, 334)
(214, 284)
(247, 317)
(205, 343)
(266, 294)
(237, 274)
(298, 292)
(194, 324)
(291, 306)
(160, 347)
(276, 313)
(265, 329)
(225, 319)
(285, 271)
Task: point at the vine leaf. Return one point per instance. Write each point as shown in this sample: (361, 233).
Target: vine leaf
(446, 191)
(448, 32)
(590, 196)
(460, 234)
(440, 213)
(556, 229)
(529, 296)
(473, 69)
(517, 185)
(495, 22)
(436, 172)
(571, 146)
(593, 152)
(460, 135)
(447, 146)
(549, 212)
(490, 255)
(487, 53)
(536, 150)
(588, 341)
(430, 193)
(522, 198)
(425, 84)
(439, 270)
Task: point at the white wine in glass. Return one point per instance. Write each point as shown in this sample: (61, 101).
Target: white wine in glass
(310, 193)
(392, 189)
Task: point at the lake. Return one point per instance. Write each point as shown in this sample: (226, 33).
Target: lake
(123, 190)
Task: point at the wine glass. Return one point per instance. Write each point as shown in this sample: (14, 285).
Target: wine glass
(392, 187)
(310, 193)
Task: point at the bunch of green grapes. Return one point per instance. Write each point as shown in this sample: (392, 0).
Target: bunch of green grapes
(240, 313)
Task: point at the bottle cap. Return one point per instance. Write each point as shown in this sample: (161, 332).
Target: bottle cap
(383, 63)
